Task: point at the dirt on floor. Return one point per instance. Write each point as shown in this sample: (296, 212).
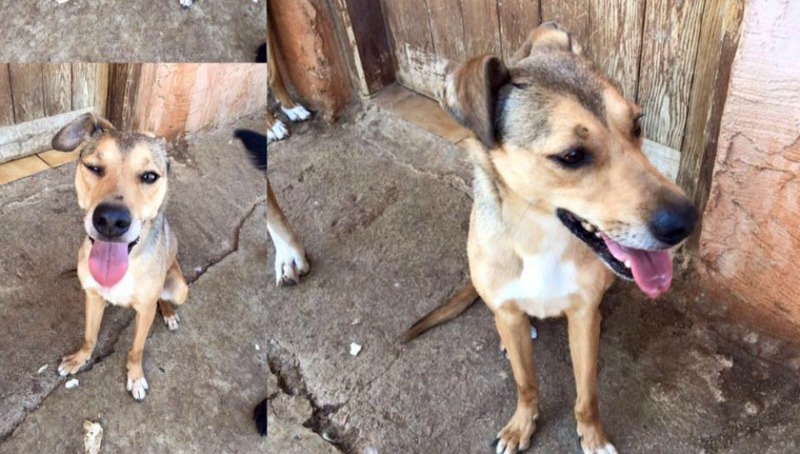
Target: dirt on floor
(383, 209)
(205, 378)
(132, 31)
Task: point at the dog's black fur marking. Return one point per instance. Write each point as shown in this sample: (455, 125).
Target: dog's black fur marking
(256, 144)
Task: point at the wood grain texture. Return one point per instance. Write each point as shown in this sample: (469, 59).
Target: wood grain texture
(26, 88)
(6, 100)
(447, 28)
(481, 27)
(517, 19)
(615, 36)
(124, 79)
(719, 39)
(369, 29)
(573, 15)
(102, 77)
(669, 50)
(84, 80)
(56, 88)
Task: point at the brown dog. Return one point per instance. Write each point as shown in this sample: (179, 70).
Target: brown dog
(564, 199)
(276, 130)
(128, 257)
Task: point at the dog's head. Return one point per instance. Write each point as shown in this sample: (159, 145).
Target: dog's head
(121, 183)
(560, 135)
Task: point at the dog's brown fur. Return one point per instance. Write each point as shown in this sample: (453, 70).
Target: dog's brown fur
(549, 99)
(153, 272)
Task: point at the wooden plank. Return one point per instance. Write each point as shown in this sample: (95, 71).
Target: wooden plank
(481, 27)
(374, 51)
(517, 19)
(56, 88)
(669, 50)
(101, 95)
(665, 159)
(6, 100)
(21, 168)
(26, 89)
(84, 80)
(122, 93)
(573, 15)
(31, 137)
(417, 66)
(616, 40)
(447, 29)
(719, 40)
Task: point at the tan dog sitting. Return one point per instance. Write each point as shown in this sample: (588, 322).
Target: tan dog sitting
(564, 200)
(128, 257)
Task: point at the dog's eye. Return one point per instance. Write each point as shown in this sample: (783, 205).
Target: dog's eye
(149, 177)
(637, 126)
(573, 158)
(97, 170)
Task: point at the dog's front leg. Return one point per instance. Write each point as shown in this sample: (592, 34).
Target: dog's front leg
(290, 258)
(94, 308)
(515, 332)
(136, 383)
(584, 340)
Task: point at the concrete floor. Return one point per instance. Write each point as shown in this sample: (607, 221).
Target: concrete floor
(382, 207)
(205, 378)
(132, 31)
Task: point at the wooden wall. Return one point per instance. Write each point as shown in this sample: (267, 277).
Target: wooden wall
(172, 99)
(667, 55)
(38, 99)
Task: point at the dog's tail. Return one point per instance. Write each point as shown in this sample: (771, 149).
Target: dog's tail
(256, 144)
(444, 313)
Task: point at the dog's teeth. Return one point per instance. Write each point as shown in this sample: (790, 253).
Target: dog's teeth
(586, 226)
(597, 234)
(627, 263)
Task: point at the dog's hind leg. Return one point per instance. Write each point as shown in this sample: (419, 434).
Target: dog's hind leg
(276, 130)
(290, 258)
(295, 111)
(584, 340)
(515, 332)
(175, 291)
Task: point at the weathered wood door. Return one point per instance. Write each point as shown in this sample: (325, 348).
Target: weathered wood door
(670, 56)
(38, 99)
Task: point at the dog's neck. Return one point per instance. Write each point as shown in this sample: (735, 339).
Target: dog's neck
(152, 230)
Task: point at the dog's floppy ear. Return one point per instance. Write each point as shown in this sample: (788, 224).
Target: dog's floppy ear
(549, 35)
(79, 130)
(470, 95)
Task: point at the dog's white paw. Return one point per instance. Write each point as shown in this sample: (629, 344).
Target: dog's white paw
(290, 263)
(278, 131)
(138, 387)
(607, 449)
(172, 321)
(297, 113)
(71, 364)
(186, 3)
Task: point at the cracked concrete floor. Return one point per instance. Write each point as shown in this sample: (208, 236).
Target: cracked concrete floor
(132, 31)
(382, 207)
(205, 378)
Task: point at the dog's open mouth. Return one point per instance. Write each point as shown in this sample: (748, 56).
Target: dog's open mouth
(108, 260)
(651, 270)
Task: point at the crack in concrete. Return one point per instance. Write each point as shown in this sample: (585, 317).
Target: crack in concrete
(114, 336)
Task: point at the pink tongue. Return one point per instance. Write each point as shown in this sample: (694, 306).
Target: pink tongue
(652, 270)
(108, 262)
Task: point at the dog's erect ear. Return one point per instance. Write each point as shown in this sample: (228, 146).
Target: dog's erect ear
(79, 130)
(549, 35)
(470, 95)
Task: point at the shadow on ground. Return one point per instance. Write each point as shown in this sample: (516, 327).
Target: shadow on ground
(382, 207)
(132, 31)
(205, 378)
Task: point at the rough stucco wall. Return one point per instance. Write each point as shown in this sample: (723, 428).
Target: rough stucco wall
(750, 244)
(306, 39)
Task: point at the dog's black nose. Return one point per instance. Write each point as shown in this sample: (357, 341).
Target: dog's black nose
(673, 220)
(110, 220)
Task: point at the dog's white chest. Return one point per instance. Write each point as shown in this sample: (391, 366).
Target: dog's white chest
(544, 285)
(121, 294)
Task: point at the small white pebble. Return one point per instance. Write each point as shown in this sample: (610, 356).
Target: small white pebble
(258, 347)
(198, 270)
(42, 369)
(72, 383)
(356, 321)
(61, 1)
(355, 349)
(396, 285)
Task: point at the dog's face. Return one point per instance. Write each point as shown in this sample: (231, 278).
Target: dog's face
(562, 137)
(121, 182)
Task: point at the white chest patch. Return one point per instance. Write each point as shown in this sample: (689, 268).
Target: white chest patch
(543, 287)
(121, 294)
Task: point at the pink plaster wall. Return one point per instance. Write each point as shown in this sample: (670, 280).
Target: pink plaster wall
(750, 244)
